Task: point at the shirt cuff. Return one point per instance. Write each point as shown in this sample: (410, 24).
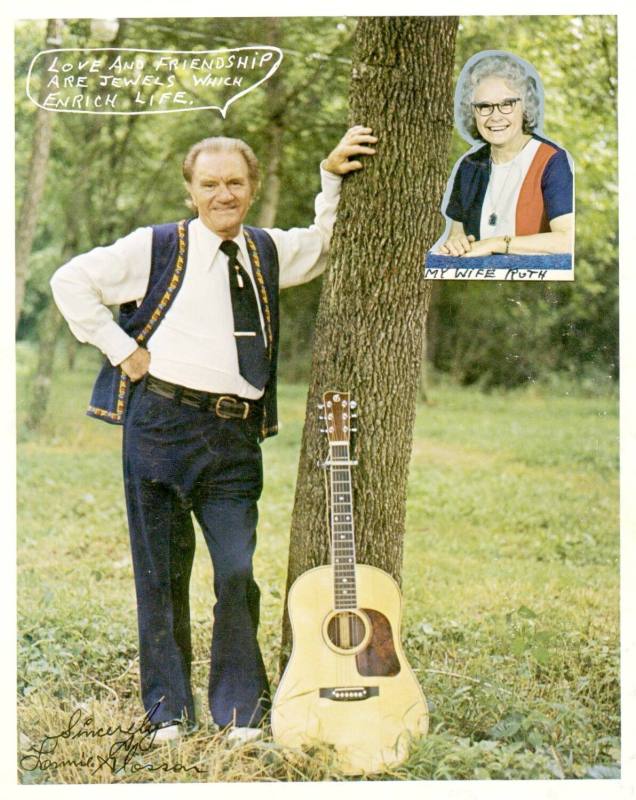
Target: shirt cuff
(329, 183)
(114, 343)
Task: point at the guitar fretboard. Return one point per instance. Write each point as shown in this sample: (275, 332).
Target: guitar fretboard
(342, 535)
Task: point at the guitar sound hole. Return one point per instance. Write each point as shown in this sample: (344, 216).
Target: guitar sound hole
(346, 630)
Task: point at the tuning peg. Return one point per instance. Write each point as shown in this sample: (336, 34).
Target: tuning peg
(354, 430)
(323, 430)
(353, 404)
(321, 405)
(321, 416)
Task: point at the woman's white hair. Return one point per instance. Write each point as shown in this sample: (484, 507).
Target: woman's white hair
(518, 74)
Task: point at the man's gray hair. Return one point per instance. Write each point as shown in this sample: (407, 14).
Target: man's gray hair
(223, 144)
(516, 73)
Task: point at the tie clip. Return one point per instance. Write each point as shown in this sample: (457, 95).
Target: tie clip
(245, 333)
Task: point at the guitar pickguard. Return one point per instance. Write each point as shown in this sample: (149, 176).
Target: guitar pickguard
(379, 657)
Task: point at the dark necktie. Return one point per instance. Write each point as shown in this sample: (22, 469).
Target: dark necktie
(248, 333)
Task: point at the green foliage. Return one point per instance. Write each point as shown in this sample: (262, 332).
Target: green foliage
(510, 587)
(510, 334)
(108, 175)
(511, 555)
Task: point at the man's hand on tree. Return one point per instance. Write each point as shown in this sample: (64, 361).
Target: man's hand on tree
(137, 364)
(355, 142)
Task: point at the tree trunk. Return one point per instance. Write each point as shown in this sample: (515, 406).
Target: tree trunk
(49, 331)
(275, 104)
(368, 337)
(429, 349)
(28, 215)
(72, 346)
(48, 335)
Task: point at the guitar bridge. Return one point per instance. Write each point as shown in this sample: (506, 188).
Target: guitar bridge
(349, 693)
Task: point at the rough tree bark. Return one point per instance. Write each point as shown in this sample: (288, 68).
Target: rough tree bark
(373, 305)
(28, 216)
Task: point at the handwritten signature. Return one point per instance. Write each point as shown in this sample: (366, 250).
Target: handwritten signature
(122, 754)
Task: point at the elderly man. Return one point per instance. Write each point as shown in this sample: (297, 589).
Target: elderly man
(191, 374)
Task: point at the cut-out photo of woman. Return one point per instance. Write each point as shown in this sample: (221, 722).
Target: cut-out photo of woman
(512, 193)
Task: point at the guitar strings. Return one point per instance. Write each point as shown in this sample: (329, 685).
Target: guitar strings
(346, 629)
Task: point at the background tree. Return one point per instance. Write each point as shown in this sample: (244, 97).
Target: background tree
(118, 173)
(34, 185)
(110, 174)
(550, 460)
(370, 321)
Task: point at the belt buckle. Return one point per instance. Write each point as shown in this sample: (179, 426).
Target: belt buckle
(219, 413)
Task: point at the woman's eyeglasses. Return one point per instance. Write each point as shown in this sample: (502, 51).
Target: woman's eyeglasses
(506, 106)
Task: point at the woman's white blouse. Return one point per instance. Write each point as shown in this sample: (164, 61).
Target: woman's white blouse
(503, 192)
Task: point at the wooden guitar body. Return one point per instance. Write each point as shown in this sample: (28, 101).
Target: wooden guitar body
(348, 682)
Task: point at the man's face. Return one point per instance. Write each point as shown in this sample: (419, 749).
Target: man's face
(221, 191)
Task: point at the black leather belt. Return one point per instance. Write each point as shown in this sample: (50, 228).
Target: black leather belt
(226, 406)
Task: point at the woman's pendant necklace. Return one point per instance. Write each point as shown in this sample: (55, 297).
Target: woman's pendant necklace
(493, 218)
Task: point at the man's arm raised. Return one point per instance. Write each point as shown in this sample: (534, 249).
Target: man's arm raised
(302, 251)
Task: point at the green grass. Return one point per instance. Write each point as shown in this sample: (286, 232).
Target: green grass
(510, 583)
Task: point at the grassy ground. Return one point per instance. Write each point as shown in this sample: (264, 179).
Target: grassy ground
(510, 583)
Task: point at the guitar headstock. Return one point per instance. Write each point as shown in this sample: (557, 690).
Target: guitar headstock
(338, 411)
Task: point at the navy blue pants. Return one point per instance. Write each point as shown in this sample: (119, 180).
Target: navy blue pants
(179, 460)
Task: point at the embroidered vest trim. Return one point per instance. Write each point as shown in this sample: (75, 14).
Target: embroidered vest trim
(161, 308)
(266, 429)
(258, 274)
(111, 390)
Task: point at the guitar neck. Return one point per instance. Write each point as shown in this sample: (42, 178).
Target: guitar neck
(343, 554)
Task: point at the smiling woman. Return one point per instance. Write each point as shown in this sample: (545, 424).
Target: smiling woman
(513, 192)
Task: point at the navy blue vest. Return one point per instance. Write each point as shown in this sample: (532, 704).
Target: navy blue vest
(169, 257)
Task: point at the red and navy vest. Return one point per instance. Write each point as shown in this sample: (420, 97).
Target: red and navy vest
(546, 192)
(169, 258)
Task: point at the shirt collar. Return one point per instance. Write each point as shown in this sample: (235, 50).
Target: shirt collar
(208, 243)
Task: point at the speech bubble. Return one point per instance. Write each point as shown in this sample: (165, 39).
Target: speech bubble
(135, 81)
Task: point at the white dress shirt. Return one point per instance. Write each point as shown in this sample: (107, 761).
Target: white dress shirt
(194, 345)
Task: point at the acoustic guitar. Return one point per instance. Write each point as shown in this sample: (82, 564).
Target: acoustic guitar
(347, 683)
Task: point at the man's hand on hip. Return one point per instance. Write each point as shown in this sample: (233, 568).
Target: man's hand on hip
(355, 142)
(137, 364)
